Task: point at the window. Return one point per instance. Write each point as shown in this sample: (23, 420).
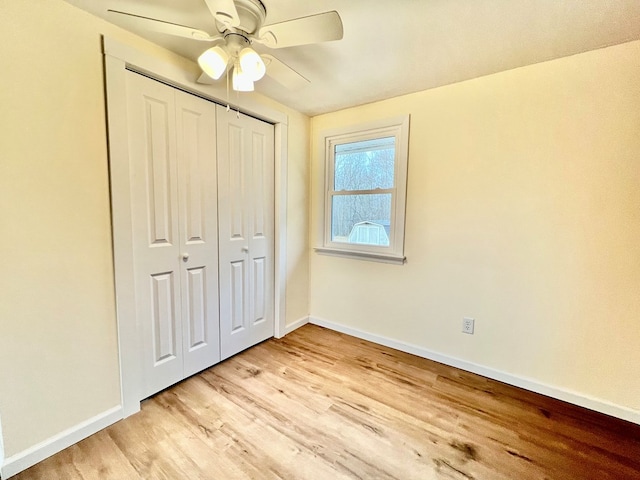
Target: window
(365, 190)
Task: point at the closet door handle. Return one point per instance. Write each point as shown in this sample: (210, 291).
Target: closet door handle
(245, 249)
(185, 257)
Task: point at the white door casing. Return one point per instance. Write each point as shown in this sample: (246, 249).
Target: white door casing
(246, 230)
(173, 196)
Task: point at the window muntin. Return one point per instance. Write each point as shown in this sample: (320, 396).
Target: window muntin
(365, 190)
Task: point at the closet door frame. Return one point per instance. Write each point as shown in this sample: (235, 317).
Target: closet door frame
(119, 58)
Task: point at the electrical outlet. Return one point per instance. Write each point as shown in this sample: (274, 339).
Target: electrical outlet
(467, 325)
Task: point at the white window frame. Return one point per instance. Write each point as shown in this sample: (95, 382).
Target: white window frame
(397, 127)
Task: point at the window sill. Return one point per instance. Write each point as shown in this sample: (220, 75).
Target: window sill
(372, 257)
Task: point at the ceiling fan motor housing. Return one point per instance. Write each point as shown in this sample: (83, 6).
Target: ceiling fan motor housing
(252, 14)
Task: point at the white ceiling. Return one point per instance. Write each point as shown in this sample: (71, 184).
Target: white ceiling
(394, 47)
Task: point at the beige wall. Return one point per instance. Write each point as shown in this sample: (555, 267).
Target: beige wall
(298, 219)
(58, 350)
(523, 212)
(297, 295)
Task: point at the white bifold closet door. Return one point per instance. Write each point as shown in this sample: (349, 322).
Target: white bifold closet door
(246, 230)
(172, 148)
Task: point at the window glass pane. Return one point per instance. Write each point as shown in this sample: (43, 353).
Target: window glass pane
(364, 165)
(361, 219)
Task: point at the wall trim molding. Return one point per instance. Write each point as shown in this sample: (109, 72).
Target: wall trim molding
(576, 398)
(295, 325)
(38, 452)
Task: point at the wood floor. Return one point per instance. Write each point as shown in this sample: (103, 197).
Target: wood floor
(322, 405)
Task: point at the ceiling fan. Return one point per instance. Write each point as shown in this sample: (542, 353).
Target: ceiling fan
(239, 24)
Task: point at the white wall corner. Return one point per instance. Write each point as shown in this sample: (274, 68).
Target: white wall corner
(32, 455)
(295, 325)
(576, 398)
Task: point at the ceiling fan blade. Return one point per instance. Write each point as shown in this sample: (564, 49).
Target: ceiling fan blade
(165, 27)
(322, 27)
(205, 79)
(284, 74)
(224, 11)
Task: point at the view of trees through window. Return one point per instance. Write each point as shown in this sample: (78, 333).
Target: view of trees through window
(363, 184)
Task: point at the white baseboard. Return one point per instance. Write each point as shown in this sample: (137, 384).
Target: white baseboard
(29, 457)
(575, 398)
(295, 325)
(1, 449)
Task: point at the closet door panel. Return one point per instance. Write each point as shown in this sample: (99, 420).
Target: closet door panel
(197, 179)
(196, 293)
(261, 248)
(154, 195)
(156, 173)
(163, 318)
(233, 241)
(245, 200)
(259, 178)
(235, 212)
(192, 169)
(237, 296)
(258, 285)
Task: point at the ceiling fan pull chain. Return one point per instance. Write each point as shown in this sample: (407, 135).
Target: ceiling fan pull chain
(228, 106)
(238, 104)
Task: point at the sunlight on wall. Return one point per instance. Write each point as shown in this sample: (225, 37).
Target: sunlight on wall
(522, 212)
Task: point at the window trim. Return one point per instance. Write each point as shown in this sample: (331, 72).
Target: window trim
(397, 127)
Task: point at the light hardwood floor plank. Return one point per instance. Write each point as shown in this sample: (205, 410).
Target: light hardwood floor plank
(319, 404)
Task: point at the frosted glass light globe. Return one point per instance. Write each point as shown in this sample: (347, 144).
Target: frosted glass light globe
(213, 62)
(252, 64)
(240, 80)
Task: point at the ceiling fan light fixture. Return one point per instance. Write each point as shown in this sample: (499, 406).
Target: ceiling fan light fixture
(239, 25)
(240, 80)
(251, 64)
(214, 61)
